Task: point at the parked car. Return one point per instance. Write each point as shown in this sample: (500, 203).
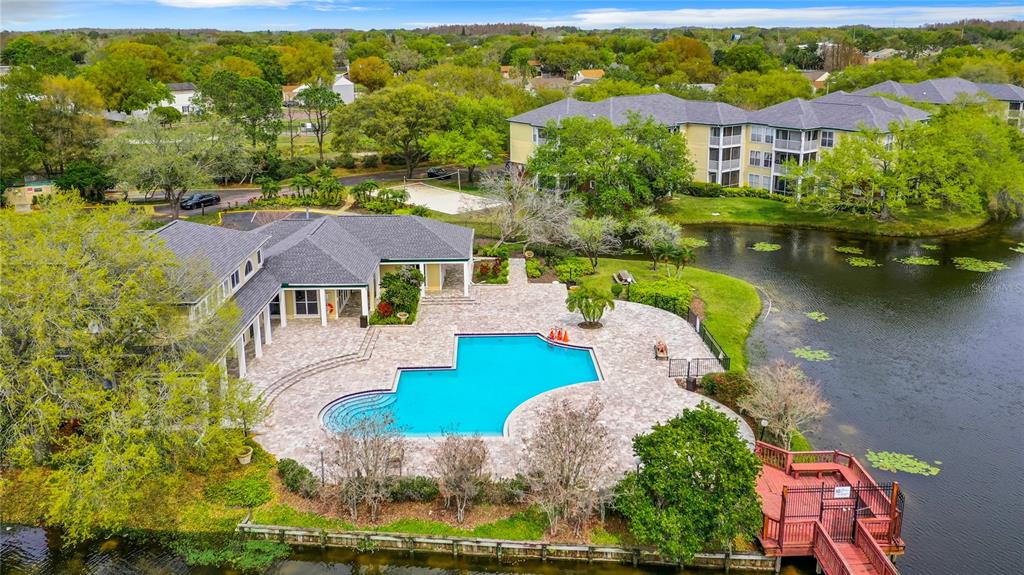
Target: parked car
(196, 201)
(440, 173)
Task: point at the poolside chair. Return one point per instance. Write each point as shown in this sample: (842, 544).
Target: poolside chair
(661, 350)
(623, 277)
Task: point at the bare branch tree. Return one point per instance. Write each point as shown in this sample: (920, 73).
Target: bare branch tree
(593, 237)
(364, 459)
(566, 460)
(459, 464)
(524, 212)
(786, 398)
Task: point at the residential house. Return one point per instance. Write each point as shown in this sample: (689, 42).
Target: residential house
(316, 269)
(22, 197)
(584, 77)
(947, 90)
(183, 95)
(341, 86)
(879, 55)
(548, 83)
(817, 78)
(728, 145)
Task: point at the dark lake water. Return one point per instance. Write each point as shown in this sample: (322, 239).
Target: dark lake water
(926, 360)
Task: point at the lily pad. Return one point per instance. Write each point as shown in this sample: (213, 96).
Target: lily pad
(976, 265)
(849, 250)
(1019, 248)
(693, 243)
(918, 261)
(766, 247)
(904, 462)
(817, 316)
(930, 247)
(862, 262)
(811, 354)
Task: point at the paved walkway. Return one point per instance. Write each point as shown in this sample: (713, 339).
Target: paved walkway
(444, 200)
(636, 389)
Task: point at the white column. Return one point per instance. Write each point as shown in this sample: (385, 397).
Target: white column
(337, 303)
(257, 337)
(240, 350)
(266, 325)
(364, 297)
(323, 307)
(283, 308)
(423, 284)
(467, 272)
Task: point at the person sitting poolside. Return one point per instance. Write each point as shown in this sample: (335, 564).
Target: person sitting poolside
(661, 350)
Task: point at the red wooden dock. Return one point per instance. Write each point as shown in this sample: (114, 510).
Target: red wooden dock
(826, 505)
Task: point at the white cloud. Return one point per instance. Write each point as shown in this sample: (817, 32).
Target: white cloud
(768, 17)
(25, 11)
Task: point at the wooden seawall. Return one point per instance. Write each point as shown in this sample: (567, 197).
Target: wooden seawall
(497, 549)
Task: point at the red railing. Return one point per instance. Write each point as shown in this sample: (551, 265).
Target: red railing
(776, 457)
(865, 541)
(827, 554)
(770, 529)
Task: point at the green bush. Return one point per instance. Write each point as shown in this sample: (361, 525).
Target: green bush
(379, 206)
(416, 488)
(371, 161)
(573, 269)
(712, 190)
(494, 272)
(493, 251)
(669, 294)
(346, 161)
(294, 167)
(393, 159)
(533, 268)
(249, 491)
(297, 478)
(616, 290)
(727, 386)
(506, 491)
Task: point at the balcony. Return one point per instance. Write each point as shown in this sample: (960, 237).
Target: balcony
(724, 165)
(721, 141)
(787, 145)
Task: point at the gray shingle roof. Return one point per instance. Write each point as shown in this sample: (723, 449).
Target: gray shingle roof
(222, 249)
(317, 252)
(255, 294)
(664, 108)
(837, 111)
(397, 238)
(181, 86)
(944, 90)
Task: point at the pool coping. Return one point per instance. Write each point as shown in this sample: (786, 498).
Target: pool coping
(454, 365)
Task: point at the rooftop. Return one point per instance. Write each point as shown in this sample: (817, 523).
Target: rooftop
(664, 108)
(221, 249)
(945, 90)
(181, 87)
(837, 111)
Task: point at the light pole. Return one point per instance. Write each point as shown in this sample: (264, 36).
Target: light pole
(764, 423)
(321, 466)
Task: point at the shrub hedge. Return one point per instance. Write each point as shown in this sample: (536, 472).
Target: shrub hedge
(416, 488)
(727, 386)
(669, 294)
(297, 478)
(712, 190)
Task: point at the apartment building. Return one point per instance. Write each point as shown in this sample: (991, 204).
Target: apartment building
(947, 90)
(729, 145)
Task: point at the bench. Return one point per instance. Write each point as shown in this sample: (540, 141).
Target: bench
(623, 277)
(818, 469)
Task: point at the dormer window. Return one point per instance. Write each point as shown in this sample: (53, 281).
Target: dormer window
(259, 256)
(248, 268)
(234, 279)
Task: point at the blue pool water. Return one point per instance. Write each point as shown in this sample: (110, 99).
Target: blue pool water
(493, 375)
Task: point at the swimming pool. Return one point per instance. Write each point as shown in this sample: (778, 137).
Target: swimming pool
(493, 375)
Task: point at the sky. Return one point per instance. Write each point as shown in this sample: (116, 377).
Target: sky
(250, 15)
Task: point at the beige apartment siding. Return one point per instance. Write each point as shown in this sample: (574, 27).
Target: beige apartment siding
(697, 140)
(520, 142)
(434, 279)
(289, 304)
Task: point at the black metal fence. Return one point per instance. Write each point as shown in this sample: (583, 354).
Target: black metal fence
(679, 307)
(838, 507)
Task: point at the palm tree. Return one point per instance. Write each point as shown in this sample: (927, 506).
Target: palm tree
(591, 303)
(303, 182)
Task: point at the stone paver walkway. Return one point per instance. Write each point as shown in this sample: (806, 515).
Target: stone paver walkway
(636, 389)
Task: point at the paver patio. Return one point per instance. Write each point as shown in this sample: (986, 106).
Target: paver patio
(636, 389)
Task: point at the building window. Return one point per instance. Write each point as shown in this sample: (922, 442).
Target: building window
(828, 139)
(225, 289)
(754, 180)
(259, 256)
(234, 279)
(1015, 106)
(712, 177)
(731, 179)
(756, 135)
(306, 302)
(888, 141)
(755, 158)
(767, 159)
(248, 268)
(716, 131)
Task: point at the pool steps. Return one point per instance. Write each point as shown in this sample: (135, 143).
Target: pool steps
(362, 353)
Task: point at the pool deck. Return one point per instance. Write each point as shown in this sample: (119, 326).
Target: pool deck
(636, 390)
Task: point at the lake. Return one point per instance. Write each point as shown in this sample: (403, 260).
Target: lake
(927, 360)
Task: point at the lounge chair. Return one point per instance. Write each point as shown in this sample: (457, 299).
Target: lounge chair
(660, 350)
(623, 277)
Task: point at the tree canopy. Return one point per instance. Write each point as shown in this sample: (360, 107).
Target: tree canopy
(694, 490)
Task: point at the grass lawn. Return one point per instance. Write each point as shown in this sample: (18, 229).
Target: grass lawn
(479, 220)
(914, 222)
(732, 304)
